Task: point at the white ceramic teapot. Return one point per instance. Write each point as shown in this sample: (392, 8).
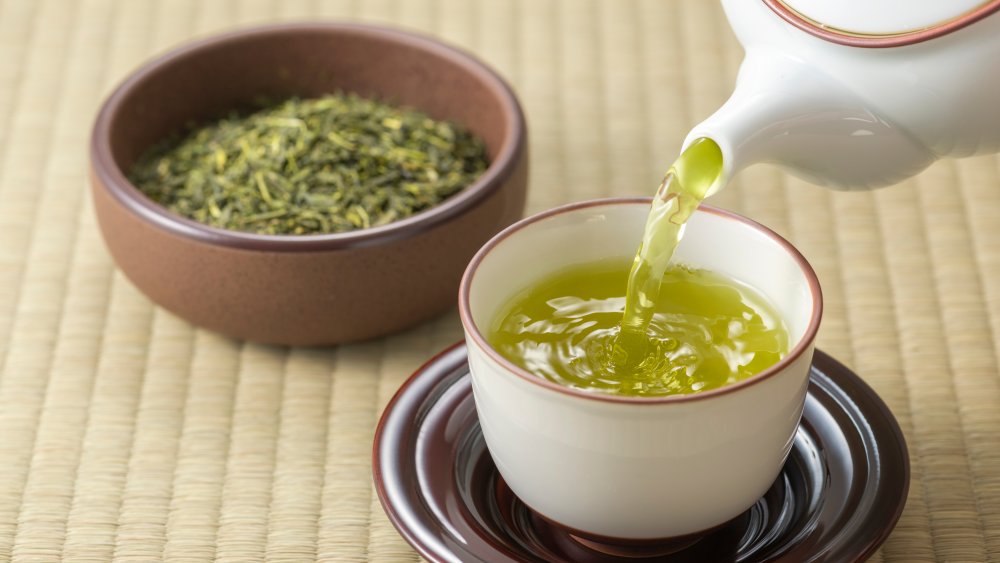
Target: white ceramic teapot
(860, 93)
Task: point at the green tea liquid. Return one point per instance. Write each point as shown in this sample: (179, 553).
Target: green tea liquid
(703, 331)
(650, 328)
(685, 185)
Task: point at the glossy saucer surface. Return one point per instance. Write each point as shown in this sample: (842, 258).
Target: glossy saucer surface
(838, 496)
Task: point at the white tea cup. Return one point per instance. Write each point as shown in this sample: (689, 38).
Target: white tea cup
(619, 468)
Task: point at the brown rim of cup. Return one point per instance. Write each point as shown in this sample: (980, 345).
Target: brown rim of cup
(110, 175)
(874, 41)
(803, 344)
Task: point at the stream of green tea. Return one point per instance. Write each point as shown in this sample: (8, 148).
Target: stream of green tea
(685, 185)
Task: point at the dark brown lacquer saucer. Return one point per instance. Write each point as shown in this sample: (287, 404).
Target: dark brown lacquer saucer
(837, 498)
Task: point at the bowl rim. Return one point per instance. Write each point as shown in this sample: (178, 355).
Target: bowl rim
(804, 344)
(108, 175)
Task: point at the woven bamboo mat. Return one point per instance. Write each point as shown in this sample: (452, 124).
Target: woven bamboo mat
(125, 433)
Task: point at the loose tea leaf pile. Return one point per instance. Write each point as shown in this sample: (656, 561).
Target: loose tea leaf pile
(325, 165)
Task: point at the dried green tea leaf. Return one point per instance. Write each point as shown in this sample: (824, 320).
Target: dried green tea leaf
(324, 165)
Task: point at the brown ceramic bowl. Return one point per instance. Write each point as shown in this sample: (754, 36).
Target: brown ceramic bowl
(316, 289)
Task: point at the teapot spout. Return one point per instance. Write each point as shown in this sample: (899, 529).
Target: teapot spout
(786, 112)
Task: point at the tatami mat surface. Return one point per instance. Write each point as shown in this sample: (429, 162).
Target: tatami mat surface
(127, 434)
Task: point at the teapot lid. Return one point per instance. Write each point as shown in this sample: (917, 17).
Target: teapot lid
(885, 23)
